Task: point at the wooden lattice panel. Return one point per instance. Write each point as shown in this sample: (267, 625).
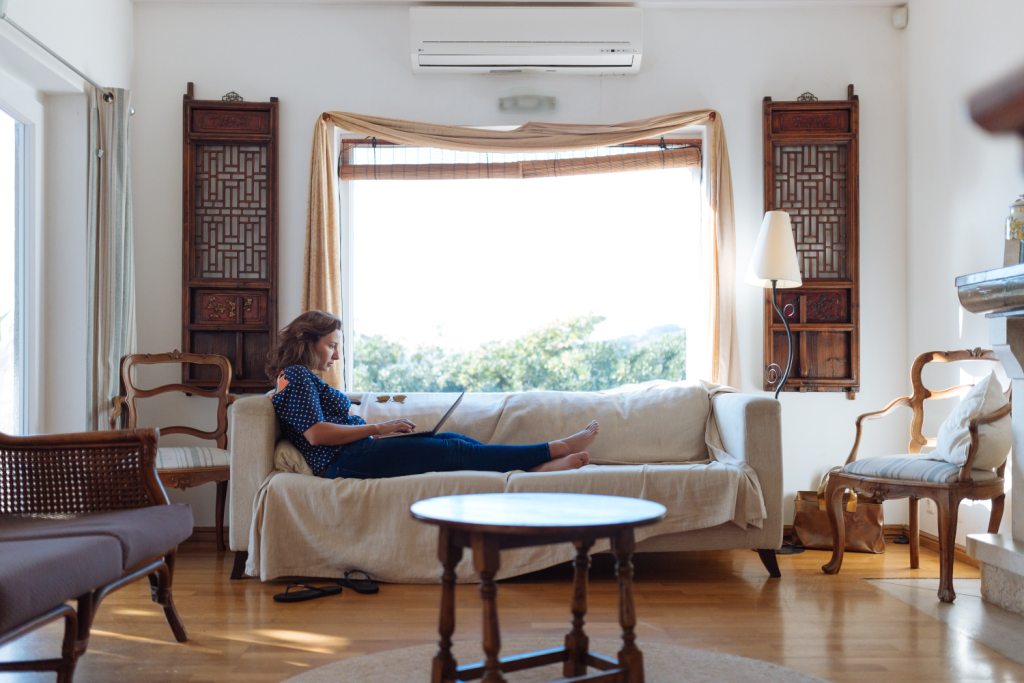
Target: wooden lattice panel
(232, 212)
(810, 171)
(811, 185)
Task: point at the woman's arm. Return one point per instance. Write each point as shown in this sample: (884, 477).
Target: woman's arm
(329, 434)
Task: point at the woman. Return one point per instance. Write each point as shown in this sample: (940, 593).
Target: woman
(315, 417)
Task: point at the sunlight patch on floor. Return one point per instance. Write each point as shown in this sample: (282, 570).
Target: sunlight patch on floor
(149, 641)
(129, 612)
(299, 640)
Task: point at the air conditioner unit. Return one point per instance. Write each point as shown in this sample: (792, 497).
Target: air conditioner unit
(566, 40)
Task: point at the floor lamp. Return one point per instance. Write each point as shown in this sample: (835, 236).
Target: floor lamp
(774, 264)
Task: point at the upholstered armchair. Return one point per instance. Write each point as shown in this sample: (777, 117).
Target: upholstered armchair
(967, 461)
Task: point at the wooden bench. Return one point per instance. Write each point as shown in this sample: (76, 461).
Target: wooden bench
(81, 515)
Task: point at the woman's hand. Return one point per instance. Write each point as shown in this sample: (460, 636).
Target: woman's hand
(400, 426)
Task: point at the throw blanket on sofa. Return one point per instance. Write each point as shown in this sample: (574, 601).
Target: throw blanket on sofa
(657, 442)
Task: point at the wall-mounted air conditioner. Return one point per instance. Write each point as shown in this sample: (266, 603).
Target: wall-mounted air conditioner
(566, 40)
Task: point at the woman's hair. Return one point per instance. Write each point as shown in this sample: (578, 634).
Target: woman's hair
(296, 341)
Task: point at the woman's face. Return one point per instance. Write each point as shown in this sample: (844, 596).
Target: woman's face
(326, 350)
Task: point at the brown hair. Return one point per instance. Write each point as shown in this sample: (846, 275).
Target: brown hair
(297, 339)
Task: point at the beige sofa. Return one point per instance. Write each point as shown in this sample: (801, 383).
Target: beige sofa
(711, 456)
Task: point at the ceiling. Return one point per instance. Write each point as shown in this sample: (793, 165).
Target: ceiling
(687, 4)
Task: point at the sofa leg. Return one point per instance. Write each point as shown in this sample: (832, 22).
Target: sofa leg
(238, 570)
(770, 562)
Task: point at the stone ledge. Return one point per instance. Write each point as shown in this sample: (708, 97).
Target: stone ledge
(998, 550)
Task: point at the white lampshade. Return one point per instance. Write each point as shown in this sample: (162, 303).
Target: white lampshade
(774, 256)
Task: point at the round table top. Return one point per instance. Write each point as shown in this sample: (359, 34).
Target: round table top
(531, 512)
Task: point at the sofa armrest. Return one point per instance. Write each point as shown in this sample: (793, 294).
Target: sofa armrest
(751, 429)
(252, 438)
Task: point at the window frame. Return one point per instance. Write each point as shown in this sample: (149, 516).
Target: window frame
(684, 140)
(23, 104)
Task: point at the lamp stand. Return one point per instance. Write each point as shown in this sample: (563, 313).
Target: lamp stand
(789, 342)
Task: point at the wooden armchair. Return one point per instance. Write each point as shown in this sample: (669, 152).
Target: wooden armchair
(913, 476)
(185, 466)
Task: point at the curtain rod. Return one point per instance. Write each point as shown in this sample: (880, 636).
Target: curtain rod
(107, 97)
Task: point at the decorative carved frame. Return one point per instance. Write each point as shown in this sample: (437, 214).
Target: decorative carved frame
(811, 171)
(229, 236)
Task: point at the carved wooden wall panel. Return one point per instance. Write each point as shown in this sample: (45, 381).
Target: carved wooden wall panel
(232, 211)
(229, 297)
(810, 171)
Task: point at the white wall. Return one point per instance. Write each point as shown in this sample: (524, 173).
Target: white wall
(318, 57)
(94, 36)
(961, 179)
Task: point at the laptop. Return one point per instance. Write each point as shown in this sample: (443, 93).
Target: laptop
(437, 427)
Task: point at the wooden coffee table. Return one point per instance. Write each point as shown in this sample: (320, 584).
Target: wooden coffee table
(490, 522)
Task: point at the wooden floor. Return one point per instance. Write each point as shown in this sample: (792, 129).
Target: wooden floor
(839, 628)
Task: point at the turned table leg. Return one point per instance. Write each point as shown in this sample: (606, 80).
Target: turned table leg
(443, 668)
(486, 562)
(577, 643)
(630, 656)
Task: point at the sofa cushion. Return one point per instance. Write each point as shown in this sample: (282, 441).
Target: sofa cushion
(38, 575)
(653, 422)
(287, 458)
(141, 533)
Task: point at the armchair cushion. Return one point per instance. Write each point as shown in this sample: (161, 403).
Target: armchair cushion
(188, 457)
(912, 468)
(953, 440)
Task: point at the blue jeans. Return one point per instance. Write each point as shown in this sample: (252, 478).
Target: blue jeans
(444, 452)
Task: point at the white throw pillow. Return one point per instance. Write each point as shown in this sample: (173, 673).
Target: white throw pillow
(954, 438)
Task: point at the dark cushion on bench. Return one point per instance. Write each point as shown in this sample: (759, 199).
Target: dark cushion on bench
(142, 533)
(38, 575)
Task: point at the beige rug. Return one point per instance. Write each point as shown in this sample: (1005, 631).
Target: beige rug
(663, 663)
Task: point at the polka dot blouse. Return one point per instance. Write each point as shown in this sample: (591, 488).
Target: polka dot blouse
(304, 401)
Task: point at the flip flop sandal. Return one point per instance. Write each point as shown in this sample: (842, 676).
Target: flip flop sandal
(360, 582)
(308, 592)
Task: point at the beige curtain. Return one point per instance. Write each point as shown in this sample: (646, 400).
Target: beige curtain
(110, 257)
(322, 283)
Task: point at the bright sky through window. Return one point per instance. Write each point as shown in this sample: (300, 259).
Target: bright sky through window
(10, 372)
(458, 263)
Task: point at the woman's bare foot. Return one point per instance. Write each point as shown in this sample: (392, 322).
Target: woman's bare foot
(573, 461)
(576, 443)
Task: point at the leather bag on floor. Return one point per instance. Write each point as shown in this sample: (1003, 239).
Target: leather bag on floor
(864, 522)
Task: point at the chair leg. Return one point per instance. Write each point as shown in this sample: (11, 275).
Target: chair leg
(69, 648)
(914, 534)
(834, 509)
(87, 606)
(949, 506)
(160, 585)
(222, 495)
(997, 513)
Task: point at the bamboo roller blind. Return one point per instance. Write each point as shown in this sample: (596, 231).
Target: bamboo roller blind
(379, 160)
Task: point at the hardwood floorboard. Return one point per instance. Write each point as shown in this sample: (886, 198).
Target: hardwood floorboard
(840, 628)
